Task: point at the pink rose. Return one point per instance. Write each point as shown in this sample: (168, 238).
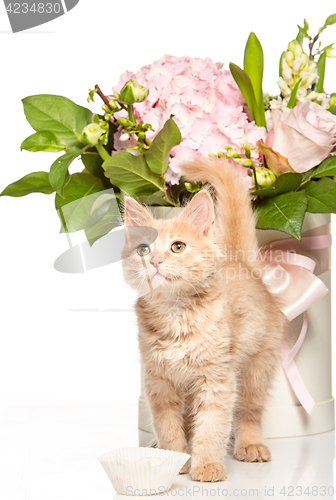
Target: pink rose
(306, 134)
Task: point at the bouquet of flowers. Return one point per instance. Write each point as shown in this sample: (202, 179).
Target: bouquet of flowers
(179, 108)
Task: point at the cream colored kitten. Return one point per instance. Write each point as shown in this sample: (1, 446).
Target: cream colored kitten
(209, 330)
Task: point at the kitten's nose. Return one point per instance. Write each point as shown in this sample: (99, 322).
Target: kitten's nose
(156, 261)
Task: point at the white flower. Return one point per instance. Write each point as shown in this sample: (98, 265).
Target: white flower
(296, 66)
(124, 137)
(298, 50)
(277, 103)
(285, 90)
(287, 76)
(289, 58)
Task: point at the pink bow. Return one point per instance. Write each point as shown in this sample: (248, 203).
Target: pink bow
(290, 276)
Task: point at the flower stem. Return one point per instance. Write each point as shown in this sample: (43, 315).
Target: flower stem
(311, 45)
(255, 178)
(131, 115)
(102, 96)
(102, 151)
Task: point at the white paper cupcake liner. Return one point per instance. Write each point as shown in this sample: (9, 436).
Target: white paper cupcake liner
(129, 478)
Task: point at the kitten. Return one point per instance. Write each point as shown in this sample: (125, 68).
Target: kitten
(209, 330)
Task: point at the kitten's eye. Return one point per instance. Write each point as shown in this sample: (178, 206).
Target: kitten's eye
(143, 250)
(178, 247)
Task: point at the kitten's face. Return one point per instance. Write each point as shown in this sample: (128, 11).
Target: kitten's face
(183, 255)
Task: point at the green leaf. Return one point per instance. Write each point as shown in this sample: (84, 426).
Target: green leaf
(104, 216)
(321, 196)
(306, 176)
(193, 187)
(112, 130)
(59, 174)
(303, 33)
(328, 49)
(280, 63)
(245, 85)
(155, 199)
(320, 69)
(284, 212)
(299, 37)
(292, 99)
(35, 182)
(43, 141)
(254, 68)
(326, 168)
(132, 174)
(332, 109)
(157, 156)
(179, 191)
(289, 181)
(57, 114)
(93, 164)
(328, 22)
(80, 186)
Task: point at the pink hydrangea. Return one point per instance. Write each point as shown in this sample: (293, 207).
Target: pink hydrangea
(206, 102)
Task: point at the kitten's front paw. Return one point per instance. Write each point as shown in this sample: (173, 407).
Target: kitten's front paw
(253, 453)
(209, 472)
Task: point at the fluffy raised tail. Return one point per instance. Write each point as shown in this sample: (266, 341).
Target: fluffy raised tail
(234, 215)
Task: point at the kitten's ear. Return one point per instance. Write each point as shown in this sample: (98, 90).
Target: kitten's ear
(135, 214)
(200, 212)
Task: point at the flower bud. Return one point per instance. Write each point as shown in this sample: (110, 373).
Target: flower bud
(285, 90)
(332, 101)
(296, 65)
(247, 148)
(304, 61)
(133, 92)
(312, 95)
(124, 137)
(124, 122)
(232, 154)
(312, 67)
(92, 133)
(313, 78)
(301, 93)
(289, 58)
(298, 50)
(287, 76)
(292, 45)
(264, 177)
(113, 105)
(245, 162)
(104, 125)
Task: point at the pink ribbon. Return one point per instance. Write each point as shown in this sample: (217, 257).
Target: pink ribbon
(290, 276)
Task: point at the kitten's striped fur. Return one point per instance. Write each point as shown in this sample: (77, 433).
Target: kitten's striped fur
(210, 331)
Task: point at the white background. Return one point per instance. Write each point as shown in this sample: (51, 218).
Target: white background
(49, 354)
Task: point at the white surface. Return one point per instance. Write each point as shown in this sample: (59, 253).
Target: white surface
(50, 355)
(47, 352)
(50, 453)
